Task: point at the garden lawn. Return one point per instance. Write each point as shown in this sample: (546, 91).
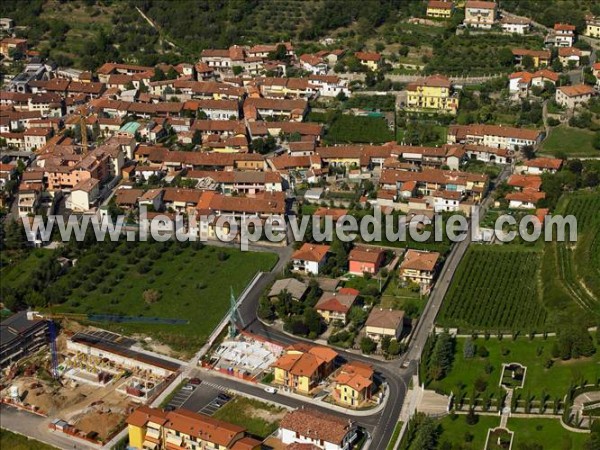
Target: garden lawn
(454, 429)
(261, 419)
(571, 141)
(546, 432)
(13, 441)
(555, 381)
(193, 284)
(359, 129)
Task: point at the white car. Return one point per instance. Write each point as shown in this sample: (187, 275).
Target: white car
(188, 387)
(271, 390)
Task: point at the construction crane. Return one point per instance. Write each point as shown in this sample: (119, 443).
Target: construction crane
(233, 314)
(83, 129)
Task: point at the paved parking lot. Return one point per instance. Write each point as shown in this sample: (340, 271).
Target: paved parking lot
(205, 398)
(180, 398)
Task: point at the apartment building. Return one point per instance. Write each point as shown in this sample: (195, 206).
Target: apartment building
(432, 94)
(21, 334)
(152, 428)
(480, 14)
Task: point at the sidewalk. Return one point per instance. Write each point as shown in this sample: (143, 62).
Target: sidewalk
(304, 399)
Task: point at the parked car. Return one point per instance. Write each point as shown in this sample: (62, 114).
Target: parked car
(224, 397)
(271, 390)
(188, 387)
(169, 408)
(195, 381)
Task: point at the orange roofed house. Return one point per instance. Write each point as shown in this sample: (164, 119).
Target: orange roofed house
(354, 384)
(336, 305)
(310, 258)
(152, 428)
(303, 366)
(314, 429)
(365, 260)
(419, 267)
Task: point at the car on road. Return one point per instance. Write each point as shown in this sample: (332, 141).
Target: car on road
(405, 364)
(188, 387)
(271, 390)
(195, 381)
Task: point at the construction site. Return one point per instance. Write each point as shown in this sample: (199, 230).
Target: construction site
(87, 381)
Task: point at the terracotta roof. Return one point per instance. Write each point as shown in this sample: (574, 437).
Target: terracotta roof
(277, 105)
(526, 196)
(128, 197)
(525, 181)
(311, 252)
(419, 260)
(144, 414)
(317, 425)
(335, 302)
(368, 56)
(438, 4)
(480, 5)
(431, 81)
(569, 51)
(312, 60)
(544, 54)
(365, 254)
(577, 90)
(385, 318)
(545, 163)
(355, 374)
(203, 426)
(564, 27)
(494, 130)
(335, 213)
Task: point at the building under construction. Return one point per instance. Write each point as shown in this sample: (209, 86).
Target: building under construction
(21, 335)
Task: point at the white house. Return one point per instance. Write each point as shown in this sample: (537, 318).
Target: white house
(446, 201)
(517, 25)
(317, 429)
(84, 194)
(310, 258)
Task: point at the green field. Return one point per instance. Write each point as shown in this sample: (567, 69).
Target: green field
(261, 419)
(571, 274)
(571, 141)
(547, 432)
(454, 428)
(495, 289)
(17, 273)
(13, 441)
(359, 129)
(534, 354)
(191, 283)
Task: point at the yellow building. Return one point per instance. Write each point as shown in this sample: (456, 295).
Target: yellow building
(370, 59)
(354, 384)
(592, 27)
(439, 9)
(303, 366)
(152, 428)
(434, 94)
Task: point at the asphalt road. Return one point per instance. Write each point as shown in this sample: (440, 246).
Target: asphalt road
(36, 427)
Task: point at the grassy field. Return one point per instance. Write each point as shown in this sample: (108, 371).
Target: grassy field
(358, 129)
(188, 283)
(455, 428)
(495, 289)
(572, 141)
(534, 354)
(571, 274)
(12, 441)
(17, 273)
(546, 432)
(261, 419)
